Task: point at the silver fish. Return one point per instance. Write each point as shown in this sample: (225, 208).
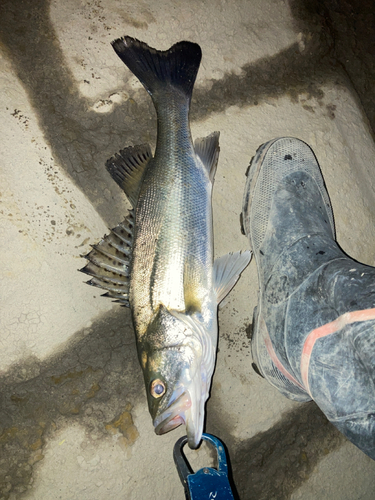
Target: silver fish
(159, 261)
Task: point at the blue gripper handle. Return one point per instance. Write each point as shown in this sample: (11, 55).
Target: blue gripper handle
(207, 483)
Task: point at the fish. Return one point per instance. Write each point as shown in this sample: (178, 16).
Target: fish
(159, 260)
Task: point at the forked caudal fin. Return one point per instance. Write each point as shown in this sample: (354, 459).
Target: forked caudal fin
(159, 70)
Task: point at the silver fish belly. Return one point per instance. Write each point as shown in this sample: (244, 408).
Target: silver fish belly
(159, 261)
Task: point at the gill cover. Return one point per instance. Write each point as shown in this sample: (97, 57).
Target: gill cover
(177, 375)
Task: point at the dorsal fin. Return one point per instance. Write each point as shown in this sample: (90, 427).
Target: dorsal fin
(109, 261)
(207, 148)
(227, 270)
(127, 168)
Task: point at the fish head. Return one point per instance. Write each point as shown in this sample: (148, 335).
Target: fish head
(178, 362)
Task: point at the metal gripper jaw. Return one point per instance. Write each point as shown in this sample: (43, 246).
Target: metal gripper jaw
(206, 483)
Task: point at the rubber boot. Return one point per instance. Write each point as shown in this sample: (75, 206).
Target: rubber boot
(313, 328)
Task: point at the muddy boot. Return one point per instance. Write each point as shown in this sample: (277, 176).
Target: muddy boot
(313, 328)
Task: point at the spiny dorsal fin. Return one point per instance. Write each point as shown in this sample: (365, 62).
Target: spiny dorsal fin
(127, 169)
(109, 261)
(207, 148)
(227, 270)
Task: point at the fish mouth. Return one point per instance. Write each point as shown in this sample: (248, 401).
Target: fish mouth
(174, 415)
(184, 410)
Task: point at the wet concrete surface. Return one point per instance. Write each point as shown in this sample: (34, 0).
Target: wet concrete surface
(274, 463)
(95, 380)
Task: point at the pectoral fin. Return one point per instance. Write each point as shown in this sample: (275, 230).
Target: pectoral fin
(227, 270)
(127, 168)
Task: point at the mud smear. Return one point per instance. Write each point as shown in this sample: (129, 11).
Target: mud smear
(95, 382)
(273, 464)
(292, 72)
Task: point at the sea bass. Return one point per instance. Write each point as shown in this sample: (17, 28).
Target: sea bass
(159, 261)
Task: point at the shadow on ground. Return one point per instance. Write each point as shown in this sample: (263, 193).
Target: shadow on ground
(274, 463)
(95, 381)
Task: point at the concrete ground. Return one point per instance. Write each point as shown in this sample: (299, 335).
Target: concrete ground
(74, 422)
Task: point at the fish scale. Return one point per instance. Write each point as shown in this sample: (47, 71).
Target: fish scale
(178, 226)
(159, 261)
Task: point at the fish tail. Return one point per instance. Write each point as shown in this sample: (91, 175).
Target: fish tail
(159, 71)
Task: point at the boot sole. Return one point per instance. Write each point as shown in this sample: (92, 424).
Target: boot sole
(251, 174)
(262, 363)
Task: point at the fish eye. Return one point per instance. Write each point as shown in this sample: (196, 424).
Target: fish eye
(157, 388)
